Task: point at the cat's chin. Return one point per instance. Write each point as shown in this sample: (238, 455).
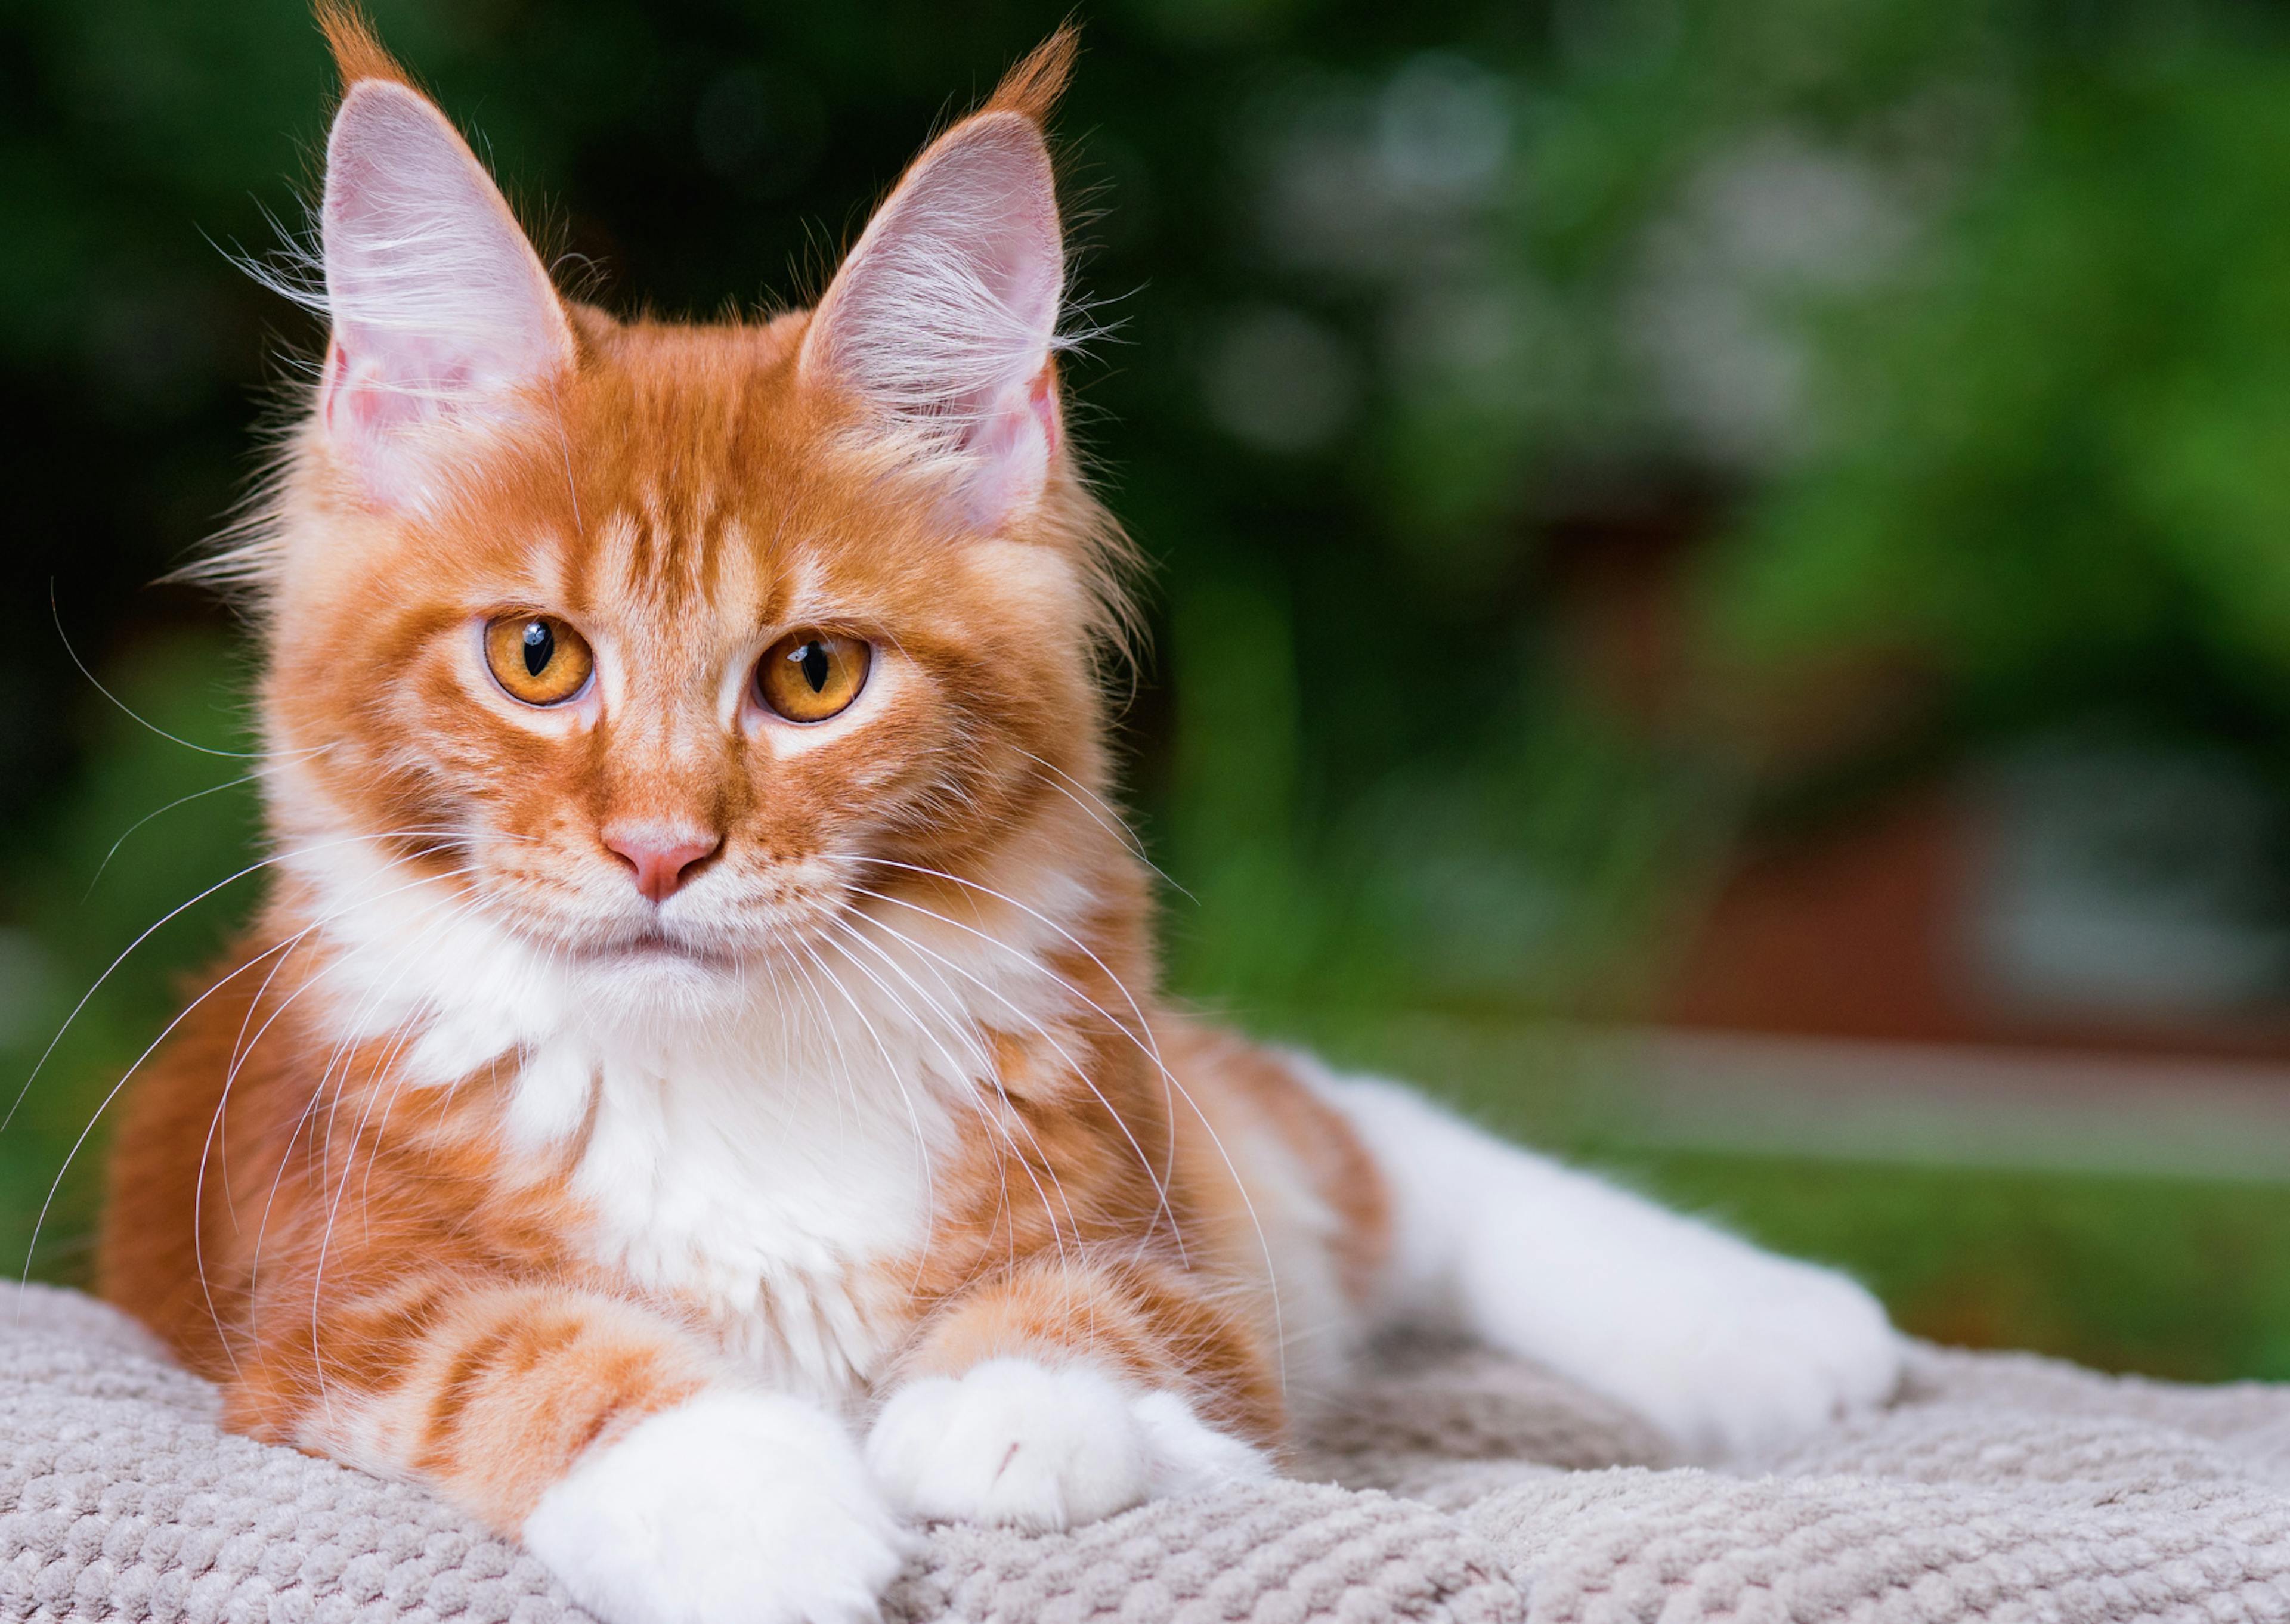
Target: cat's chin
(652, 984)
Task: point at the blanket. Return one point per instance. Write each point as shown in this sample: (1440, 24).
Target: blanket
(1452, 1485)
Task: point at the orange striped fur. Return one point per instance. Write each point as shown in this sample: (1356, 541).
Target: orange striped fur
(371, 1188)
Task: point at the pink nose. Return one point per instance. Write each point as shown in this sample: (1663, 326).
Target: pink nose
(663, 858)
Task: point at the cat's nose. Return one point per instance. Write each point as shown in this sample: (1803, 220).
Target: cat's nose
(662, 857)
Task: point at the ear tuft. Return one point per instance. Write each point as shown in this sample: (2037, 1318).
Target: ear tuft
(1032, 88)
(358, 53)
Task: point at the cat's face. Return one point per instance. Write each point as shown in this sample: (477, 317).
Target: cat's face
(660, 642)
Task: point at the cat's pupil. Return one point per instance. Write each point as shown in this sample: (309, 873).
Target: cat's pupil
(813, 658)
(539, 647)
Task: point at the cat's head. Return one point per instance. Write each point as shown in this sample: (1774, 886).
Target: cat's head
(658, 640)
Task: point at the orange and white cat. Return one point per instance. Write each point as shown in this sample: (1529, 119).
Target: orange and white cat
(696, 1095)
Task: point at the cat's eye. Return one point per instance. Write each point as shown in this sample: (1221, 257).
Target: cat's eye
(537, 658)
(809, 675)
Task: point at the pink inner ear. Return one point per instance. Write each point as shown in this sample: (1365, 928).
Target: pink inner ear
(1042, 399)
(441, 310)
(355, 397)
(1014, 440)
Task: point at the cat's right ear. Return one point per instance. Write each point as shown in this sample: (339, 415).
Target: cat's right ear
(444, 317)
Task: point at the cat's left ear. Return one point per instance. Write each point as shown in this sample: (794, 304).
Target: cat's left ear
(944, 319)
(442, 315)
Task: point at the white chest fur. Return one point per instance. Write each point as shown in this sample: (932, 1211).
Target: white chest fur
(771, 1183)
(774, 1201)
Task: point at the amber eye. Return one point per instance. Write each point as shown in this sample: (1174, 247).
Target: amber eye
(538, 658)
(810, 675)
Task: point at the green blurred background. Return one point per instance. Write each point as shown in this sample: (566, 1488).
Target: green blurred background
(1628, 482)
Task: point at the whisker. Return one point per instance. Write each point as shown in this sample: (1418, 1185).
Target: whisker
(341, 1187)
(242, 1049)
(340, 1053)
(170, 914)
(55, 612)
(890, 1069)
(113, 1094)
(1143, 1024)
(1150, 1051)
(1004, 1209)
(962, 1077)
(1157, 1179)
(1113, 823)
(219, 1122)
(846, 1088)
(404, 954)
(196, 794)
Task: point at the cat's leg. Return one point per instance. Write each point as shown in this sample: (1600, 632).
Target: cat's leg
(1730, 1349)
(657, 1487)
(1061, 1393)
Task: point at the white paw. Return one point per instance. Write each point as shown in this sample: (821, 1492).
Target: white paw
(1735, 1353)
(746, 1507)
(1040, 1448)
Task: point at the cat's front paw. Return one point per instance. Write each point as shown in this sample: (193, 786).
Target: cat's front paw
(1041, 1448)
(1748, 1353)
(750, 1508)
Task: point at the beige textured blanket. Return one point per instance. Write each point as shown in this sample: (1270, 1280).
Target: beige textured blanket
(1456, 1487)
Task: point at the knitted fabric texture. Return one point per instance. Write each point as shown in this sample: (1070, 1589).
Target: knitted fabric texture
(1451, 1486)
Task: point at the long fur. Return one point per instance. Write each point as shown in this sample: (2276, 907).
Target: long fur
(706, 1235)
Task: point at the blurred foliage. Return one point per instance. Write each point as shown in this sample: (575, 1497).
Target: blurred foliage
(1950, 326)
(2054, 449)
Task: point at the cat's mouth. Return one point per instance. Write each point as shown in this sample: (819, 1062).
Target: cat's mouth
(655, 947)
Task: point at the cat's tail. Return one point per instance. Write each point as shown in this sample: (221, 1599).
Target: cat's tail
(1730, 1350)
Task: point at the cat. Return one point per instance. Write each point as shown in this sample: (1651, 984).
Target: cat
(695, 1095)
